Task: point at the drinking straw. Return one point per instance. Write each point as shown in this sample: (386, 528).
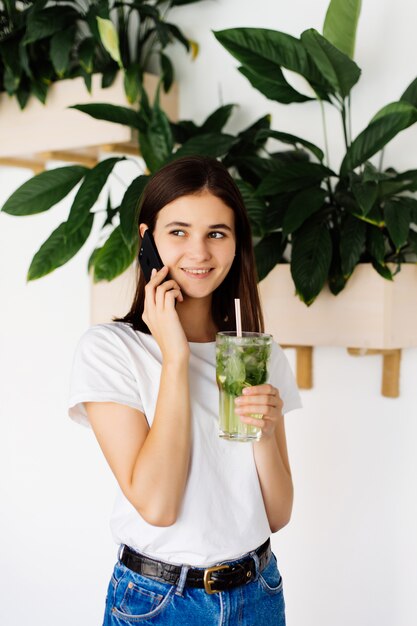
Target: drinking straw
(238, 318)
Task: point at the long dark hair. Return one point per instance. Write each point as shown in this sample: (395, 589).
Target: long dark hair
(192, 175)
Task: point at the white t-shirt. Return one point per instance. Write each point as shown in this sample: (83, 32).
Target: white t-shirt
(223, 514)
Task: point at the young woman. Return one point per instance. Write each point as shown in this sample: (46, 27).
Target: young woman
(194, 513)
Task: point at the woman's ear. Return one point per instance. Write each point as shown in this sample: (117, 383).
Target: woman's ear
(142, 228)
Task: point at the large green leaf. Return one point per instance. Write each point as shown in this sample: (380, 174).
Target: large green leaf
(212, 145)
(10, 81)
(41, 192)
(167, 70)
(174, 31)
(215, 122)
(352, 243)
(129, 210)
(365, 194)
(395, 107)
(156, 143)
(40, 89)
(341, 23)
(255, 207)
(293, 140)
(246, 145)
(42, 24)
(293, 177)
(10, 54)
(132, 82)
(337, 68)
(302, 206)
(411, 204)
(310, 260)
(184, 130)
(383, 270)
(61, 44)
(89, 191)
(374, 216)
(336, 280)
(386, 124)
(397, 220)
(275, 87)
(263, 51)
(59, 248)
(113, 258)
(111, 113)
(109, 39)
(252, 168)
(406, 181)
(268, 252)
(410, 94)
(86, 51)
(375, 243)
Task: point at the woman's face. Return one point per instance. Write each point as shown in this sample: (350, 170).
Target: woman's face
(195, 237)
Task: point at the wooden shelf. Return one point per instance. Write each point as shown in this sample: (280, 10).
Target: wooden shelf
(41, 133)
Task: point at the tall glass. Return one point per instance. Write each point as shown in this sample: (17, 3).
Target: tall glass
(240, 362)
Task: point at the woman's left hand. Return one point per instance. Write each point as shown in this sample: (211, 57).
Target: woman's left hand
(261, 399)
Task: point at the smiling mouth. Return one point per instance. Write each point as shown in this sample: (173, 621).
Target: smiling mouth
(199, 273)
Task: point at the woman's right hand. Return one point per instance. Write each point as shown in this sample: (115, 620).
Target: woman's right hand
(162, 319)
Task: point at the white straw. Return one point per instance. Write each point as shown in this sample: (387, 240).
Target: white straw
(238, 318)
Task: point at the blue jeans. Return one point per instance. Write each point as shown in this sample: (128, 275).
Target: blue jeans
(136, 599)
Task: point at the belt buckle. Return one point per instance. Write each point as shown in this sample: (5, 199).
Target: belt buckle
(207, 578)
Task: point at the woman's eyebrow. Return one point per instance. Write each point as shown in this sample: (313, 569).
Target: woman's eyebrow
(185, 225)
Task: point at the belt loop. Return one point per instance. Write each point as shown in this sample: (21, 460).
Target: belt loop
(182, 580)
(255, 558)
(120, 551)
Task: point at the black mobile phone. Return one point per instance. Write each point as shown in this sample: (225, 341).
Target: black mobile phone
(149, 256)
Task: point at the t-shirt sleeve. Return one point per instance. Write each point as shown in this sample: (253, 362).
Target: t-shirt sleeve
(282, 378)
(101, 372)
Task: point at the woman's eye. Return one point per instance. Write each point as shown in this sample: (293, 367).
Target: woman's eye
(217, 235)
(176, 232)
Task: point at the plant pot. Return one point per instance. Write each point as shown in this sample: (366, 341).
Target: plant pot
(370, 312)
(54, 127)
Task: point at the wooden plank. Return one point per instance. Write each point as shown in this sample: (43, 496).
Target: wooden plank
(391, 374)
(68, 156)
(304, 365)
(124, 148)
(36, 165)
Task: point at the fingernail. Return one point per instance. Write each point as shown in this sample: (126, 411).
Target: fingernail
(246, 390)
(153, 272)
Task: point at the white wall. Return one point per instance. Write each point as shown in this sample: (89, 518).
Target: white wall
(349, 555)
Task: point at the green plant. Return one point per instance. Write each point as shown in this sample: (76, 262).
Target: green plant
(321, 221)
(43, 41)
(159, 142)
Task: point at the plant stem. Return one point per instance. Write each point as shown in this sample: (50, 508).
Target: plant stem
(326, 148)
(323, 119)
(345, 134)
(349, 109)
(381, 158)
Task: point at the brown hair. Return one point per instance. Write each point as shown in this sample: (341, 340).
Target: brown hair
(192, 175)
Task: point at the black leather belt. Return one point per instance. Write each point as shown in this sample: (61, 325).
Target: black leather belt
(213, 579)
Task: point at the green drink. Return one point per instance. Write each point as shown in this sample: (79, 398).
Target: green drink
(240, 362)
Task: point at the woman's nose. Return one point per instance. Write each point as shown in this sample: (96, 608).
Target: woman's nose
(199, 249)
